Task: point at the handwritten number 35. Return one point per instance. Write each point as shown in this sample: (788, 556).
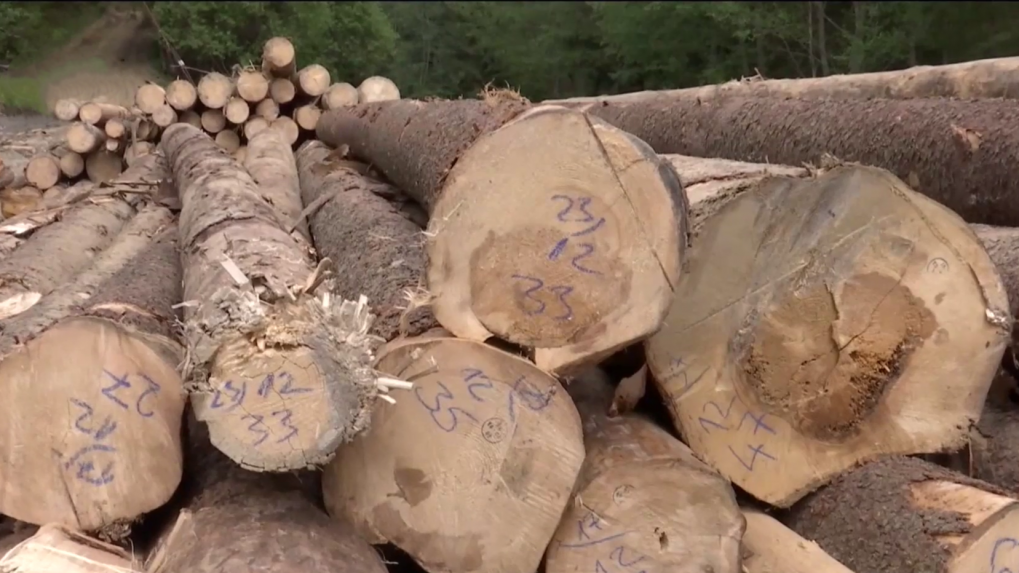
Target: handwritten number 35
(536, 285)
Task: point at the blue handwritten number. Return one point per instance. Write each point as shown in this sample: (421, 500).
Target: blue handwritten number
(588, 251)
(599, 568)
(268, 383)
(257, 427)
(472, 373)
(152, 389)
(617, 555)
(705, 422)
(285, 422)
(1001, 563)
(561, 293)
(86, 468)
(435, 409)
(117, 383)
(104, 430)
(236, 395)
(755, 451)
(587, 217)
(537, 285)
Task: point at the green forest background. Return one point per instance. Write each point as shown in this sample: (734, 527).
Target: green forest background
(562, 49)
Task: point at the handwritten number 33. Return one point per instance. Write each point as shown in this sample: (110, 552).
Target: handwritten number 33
(560, 291)
(259, 427)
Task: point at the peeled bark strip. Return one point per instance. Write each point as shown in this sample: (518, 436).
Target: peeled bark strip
(340, 94)
(149, 98)
(84, 138)
(903, 514)
(96, 401)
(849, 317)
(280, 378)
(181, 95)
(643, 501)
(963, 141)
(57, 548)
(214, 90)
(98, 114)
(272, 166)
(584, 227)
(380, 249)
(992, 78)
(377, 88)
(43, 171)
(487, 449)
(279, 57)
(770, 547)
(245, 521)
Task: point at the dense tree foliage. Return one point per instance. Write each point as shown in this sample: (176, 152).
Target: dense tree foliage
(558, 49)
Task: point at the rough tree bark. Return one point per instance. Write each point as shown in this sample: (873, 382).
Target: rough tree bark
(904, 514)
(545, 229)
(950, 150)
(770, 547)
(281, 377)
(358, 224)
(849, 317)
(643, 501)
(486, 450)
(994, 78)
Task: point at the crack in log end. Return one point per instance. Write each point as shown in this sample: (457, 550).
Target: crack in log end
(811, 365)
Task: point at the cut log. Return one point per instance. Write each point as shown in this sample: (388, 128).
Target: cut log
(164, 116)
(149, 98)
(228, 140)
(252, 522)
(84, 138)
(993, 78)
(254, 125)
(313, 80)
(98, 114)
(505, 429)
(181, 95)
(278, 57)
(252, 86)
(103, 166)
(18, 201)
(339, 95)
(963, 140)
(115, 128)
(12, 170)
(272, 166)
(282, 91)
(58, 548)
(288, 127)
(115, 146)
(116, 413)
(643, 501)
(770, 547)
(306, 116)
(358, 226)
(72, 165)
(237, 111)
(137, 150)
(213, 120)
(847, 309)
(191, 117)
(280, 377)
(903, 514)
(268, 109)
(67, 109)
(377, 88)
(595, 274)
(214, 90)
(43, 171)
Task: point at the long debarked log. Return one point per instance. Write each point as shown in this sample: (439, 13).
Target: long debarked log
(282, 378)
(95, 401)
(545, 229)
(358, 226)
(485, 449)
(239, 520)
(270, 161)
(849, 317)
(949, 150)
(662, 508)
(770, 547)
(903, 514)
(58, 548)
(993, 78)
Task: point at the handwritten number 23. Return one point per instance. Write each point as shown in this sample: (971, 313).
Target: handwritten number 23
(559, 291)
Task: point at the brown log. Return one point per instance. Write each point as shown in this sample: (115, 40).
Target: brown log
(213, 120)
(642, 501)
(181, 95)
(359, 225)
(282, 91)
(993, 455)
(313, 80)
(84, 138)
(67, 109)
(279, 57)
(252, 86)
(254, 522)
(237, 111)
(231, 240)
(149, 98)
(600, 274)
(306, 116)
(115, 128)
(506, 429)
(770, 547)
(339, 95)
(268, 109)
(98, 114)
(288, 127)
(377, 88)
(851, 306)
(136, 151)
(164, 116)
(19, 200)
(963, 140)
(214, 90)
(72, 164)
(191, 117)
(43, 171)
(992, 78)
(103, 165)
(58, 548)
(254, 125)
(229, 140)
(904, 514)
(17, 149)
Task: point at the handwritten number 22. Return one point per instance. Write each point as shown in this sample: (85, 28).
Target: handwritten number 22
(560, 291)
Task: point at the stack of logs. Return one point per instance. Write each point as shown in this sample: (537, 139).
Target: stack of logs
(474, 339)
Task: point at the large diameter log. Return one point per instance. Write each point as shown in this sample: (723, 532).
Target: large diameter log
(280, 377)
(340, 94)
(846, 310)
(580, 250)
(181, 95)
(214, 90)
(486, 444)
(58, 548)
(84, 138)
(357, 225)
(235, 519)
(643, 501)
(904, 514)
(770, 547)
(252, 86)
(313, 80)
(149, 97)
(78, 437)
(272, 166)
(377, 88)
(43, 171)
(992, 78)
(278, 57)
(963, 140)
